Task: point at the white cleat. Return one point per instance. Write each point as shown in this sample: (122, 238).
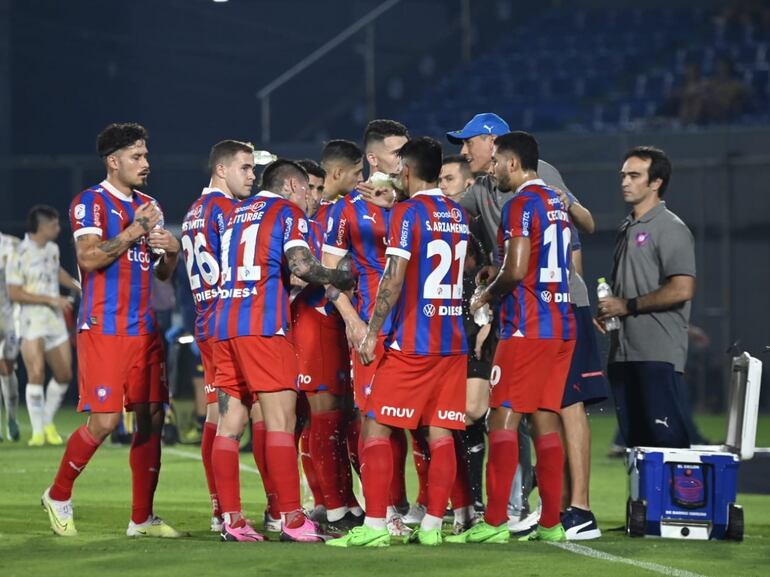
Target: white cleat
(526, 524)
(414, 515)
(216, 524)
(397, 527)
(59, 515)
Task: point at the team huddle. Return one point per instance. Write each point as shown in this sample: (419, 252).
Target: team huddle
(339, 302)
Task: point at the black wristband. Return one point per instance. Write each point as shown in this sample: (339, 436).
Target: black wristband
(632, 306)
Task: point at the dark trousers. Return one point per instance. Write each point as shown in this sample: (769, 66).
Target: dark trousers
(648, 404)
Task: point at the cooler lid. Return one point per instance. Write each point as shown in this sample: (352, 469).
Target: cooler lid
(745, 379)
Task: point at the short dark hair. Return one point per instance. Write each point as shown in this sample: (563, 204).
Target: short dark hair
(225, 150)
(312, 167)
(340, 149)
(379, 130)
(523, 145)
(38, 213)
(465, 166)
(660, 165)
(117, 136)
(424, 153)
(279, 171)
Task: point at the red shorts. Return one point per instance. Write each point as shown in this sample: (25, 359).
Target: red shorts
(412, 390)
(254, 364)
(117, 372)
(207, 359)
(529, 374)
(322, 351)
(363, 375)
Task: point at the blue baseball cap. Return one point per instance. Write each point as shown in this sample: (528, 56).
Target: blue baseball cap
(483, 123)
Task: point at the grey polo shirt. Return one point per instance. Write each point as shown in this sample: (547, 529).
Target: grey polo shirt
(647, 252)
(483, 199)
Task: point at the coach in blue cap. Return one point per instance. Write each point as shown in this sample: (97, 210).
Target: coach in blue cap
(484, 202)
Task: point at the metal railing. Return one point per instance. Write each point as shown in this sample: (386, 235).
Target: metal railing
(364, 22)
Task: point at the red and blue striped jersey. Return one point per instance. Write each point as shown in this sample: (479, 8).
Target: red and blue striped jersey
(202, 229)
(321, 216)
(254, 280)
(116, 299)
(431, 231)
(539, 307)
(314, 295)
(360, 228)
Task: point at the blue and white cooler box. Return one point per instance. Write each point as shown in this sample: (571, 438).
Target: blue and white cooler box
(691, 493)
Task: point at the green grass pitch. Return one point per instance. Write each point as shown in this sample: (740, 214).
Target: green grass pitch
(102, 501)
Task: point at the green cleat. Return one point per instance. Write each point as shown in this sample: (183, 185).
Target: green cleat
(554, 534)
(482, 533)
(153, 527)
(362, 536)
(59, 515)
(427, 537)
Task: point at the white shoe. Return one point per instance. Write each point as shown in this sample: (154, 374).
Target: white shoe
(397, 527)
(153, 527)
(270, 524)
(526, 524)
(216, 524)
(414, 515)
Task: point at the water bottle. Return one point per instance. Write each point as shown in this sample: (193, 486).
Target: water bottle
(161, 224)
(482, 316)
(264, 157)
(603, 290)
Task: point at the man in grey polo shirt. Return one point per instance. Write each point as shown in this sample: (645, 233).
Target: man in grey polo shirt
(653, 280)
(484, 201)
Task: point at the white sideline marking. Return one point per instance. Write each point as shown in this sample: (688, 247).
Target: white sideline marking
(197, 457)
(596, 554)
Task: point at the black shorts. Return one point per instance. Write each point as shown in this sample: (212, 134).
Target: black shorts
(586, 381)
(648, 404)
(478, 369)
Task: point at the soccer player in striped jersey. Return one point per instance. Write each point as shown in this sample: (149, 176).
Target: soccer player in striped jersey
(318, 335)
(232, 175)
(264, 243)
(537, 338)
(421, 377)
(343, 163)
(120, 243)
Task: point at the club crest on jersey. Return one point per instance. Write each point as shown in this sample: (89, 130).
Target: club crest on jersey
(103, 393)
(642, 238)
(429, 310)
(456, 214)
(80, 212)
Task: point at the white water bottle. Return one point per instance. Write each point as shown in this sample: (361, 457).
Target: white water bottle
(603, 290)
(161, 224)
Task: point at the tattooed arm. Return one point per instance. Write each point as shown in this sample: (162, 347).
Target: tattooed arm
(304, 265)
(387, 294)
(93, 253)
(513, 271)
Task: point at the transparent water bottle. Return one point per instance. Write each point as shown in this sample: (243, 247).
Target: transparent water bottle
(263, 157)
(482, 316)
(604, 290)
(161, 224)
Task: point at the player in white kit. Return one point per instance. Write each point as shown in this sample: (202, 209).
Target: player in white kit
(9, 348)
(33, 277)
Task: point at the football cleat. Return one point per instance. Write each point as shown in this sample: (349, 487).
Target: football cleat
(271, 524)
(554, 534)
(397, 527)
(37, 440)
(59, 515)
(216, 524)
(307, 532)
(52, 436)
(244, 534)
(153, 527)
(525, 525)
(348, 522)
(482, 532)
(318, 514)
(427, 537)
(580, 525)
(363, 536)
(460, 527)
(414, 515)
(13, 430)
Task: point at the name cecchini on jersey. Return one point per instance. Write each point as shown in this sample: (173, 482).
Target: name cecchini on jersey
(555, 215)
(439, 226)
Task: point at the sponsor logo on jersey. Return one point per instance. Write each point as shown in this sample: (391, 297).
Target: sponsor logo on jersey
(341, 231)
(302, 226)
(136, 254)
(97, 215)
(525, 220)
(399, 412)
(548, 296)
(404, 241)
(642, 238)
(304, 379)
(429, 310)
(457, 416)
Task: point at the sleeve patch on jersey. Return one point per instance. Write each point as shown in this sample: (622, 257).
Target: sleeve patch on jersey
(525, 223)
(80, 211)
(302, 226)
(404, 240)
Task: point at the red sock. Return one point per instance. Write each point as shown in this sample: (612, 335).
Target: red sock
(282, 464)
(144, 459)
(421, 456)
(207, 443)
(441, 473)
(377, 461)
(80, 448)
(501, 467)
(224, 458)
(354, 443)
(398, 480)
(461, 489)
(344, 471)
(258, 433)
(310, 465)
(324, 450)
(550, 463)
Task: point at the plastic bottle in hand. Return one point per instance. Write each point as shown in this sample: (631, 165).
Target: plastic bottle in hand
(482, 316)
(604, 290)
(161, 224)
